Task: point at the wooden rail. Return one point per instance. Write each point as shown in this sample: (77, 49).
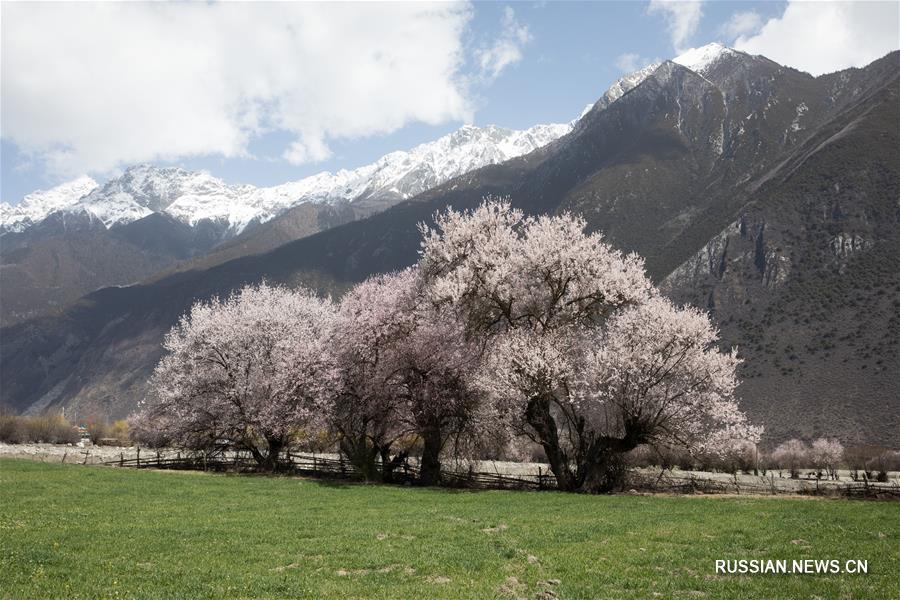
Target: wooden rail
(328, 467)
(313, 465)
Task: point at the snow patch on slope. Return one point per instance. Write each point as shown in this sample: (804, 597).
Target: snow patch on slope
(628, 82)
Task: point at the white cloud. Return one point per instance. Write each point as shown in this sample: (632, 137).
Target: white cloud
(91, 87)
(682, 17)
(307, 149)
(506, 49)
(741, 24)
(630, 62)
(822, 37)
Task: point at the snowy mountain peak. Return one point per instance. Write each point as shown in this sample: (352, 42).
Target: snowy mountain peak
(37, 205)
(699, 60)
(195, 196)
(144, 189)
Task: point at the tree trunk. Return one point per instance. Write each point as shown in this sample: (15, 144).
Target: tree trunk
(430, 468)
(604, 474)
(389, 465)
(538, 416)
(604, 466)
(362, 456)
(275, 446)
(268, 460)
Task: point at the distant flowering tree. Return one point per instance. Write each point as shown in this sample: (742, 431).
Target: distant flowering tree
(405, 369)
(791, 455)
(730, 455)
(253, 369)
(826, 455)
(583, 355)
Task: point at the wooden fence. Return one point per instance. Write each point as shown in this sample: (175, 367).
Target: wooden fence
(329, 467)
(692, 484)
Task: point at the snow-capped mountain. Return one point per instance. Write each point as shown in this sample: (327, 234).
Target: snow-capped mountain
(37, 205)
(699, 60)
(192, 197)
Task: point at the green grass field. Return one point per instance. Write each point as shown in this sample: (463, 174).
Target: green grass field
(77, 532)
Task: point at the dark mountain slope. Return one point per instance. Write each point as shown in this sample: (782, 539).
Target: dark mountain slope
(301, 221)
(807, 281)
(56, 262)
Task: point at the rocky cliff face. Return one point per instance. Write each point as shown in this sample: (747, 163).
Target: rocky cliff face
(806, 280)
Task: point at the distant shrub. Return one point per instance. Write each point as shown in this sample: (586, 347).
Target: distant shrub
(661, 456)
(149, 437)
(97, 428)
(11, 429)
(50, 428)
(121, 431)
(54, 428)
(868, 459)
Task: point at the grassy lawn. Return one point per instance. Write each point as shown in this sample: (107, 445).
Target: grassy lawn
(75, 532)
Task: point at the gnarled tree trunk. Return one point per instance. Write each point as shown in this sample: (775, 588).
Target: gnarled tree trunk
(604, 467)
(538, 416)
(268, 460)
(600, 466)
(390, 464)
(362, 455)
(430, 468)
(604, 474)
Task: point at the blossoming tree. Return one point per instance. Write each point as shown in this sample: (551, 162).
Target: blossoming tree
(372, 318)
(583, 355)
(252, 368)
(791, 455)
(405, 370)
(826, 454)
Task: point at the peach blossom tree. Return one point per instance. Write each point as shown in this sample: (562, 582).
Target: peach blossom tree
(582, 355)
(405, 371)
(826, 454)
(253, 368)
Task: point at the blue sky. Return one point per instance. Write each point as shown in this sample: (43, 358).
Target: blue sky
(221, 95)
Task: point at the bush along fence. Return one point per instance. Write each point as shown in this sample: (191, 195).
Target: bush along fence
(331, 467)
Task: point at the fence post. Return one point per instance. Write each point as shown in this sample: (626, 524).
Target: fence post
(540, 478)
(158, 462)
(121, 459)
(139, 457)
